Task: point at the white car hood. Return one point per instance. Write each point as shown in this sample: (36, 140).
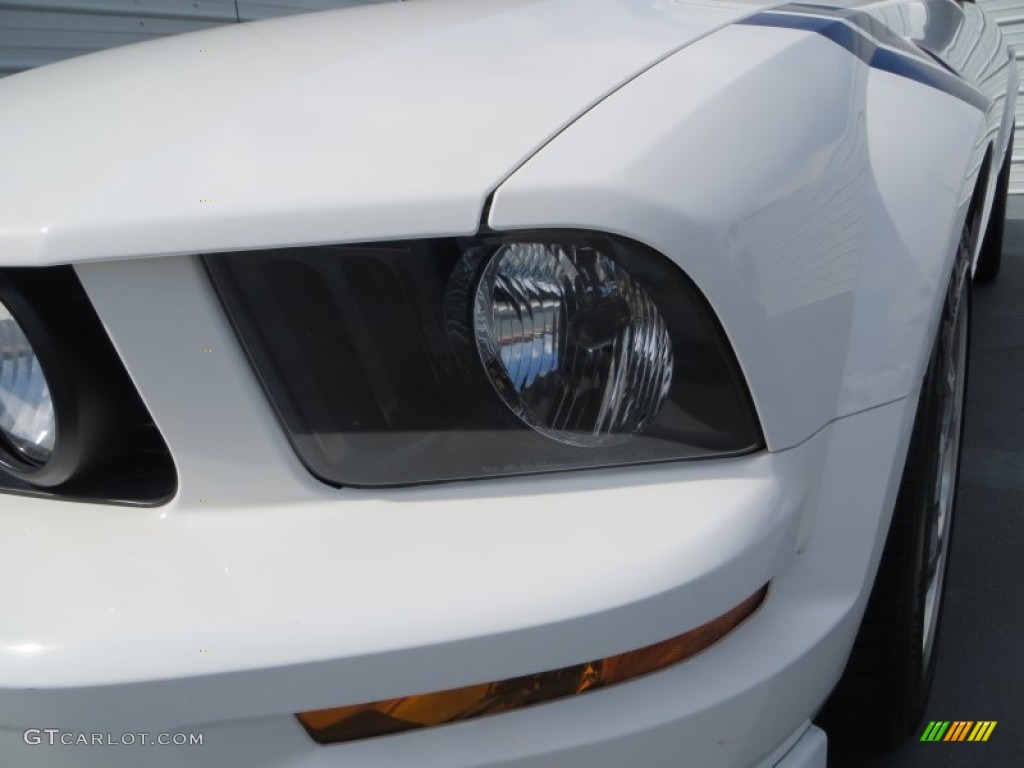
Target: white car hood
(384, 121)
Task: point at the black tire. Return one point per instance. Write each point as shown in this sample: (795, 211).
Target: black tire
(990, 257)
(881, 696)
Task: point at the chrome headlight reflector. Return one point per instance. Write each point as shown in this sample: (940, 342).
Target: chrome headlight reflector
(27, 421)
(71, 422)
(572, 344)
(458, 358)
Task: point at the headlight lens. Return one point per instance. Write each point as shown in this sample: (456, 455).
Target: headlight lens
(572, 345)
(71, 422)
(451, 359)
(27, 419)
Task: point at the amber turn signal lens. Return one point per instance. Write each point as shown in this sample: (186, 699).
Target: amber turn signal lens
(363, 721)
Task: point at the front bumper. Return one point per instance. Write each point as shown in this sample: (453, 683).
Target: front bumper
(258, 592)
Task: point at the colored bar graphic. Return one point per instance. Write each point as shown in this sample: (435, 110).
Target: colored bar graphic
(935, 730)
(958, 730)
(982, 730)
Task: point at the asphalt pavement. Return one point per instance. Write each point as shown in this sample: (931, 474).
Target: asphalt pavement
(980, 672)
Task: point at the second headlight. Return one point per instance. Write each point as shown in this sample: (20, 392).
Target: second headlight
(27, 422)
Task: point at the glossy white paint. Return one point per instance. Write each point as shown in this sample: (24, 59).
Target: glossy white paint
(310, 597)
(822, 236)
(38, 32)
(805, 230)
(383, 121)
(965, 37)
(811, 751)
(423, 558)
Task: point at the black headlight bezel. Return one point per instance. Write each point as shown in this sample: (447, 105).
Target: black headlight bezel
(295, 350)
(106, 448)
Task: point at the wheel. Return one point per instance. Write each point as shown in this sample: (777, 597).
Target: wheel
(990, 257)
(881, 697)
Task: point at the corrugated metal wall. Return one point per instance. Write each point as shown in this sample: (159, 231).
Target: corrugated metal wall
(252, 9)
(36, 32)
(1009, 14)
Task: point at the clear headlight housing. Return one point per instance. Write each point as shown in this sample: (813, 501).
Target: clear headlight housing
(27, 421)
(450, 359)
(71, 422)
(573, 346)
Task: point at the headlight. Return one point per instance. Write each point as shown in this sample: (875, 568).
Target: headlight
(26, 411)
(572, 345)
(71, 423)
(425, 361)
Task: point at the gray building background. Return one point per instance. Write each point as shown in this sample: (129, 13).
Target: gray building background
(36, 32)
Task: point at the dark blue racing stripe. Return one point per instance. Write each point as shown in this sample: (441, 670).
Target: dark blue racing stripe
(865, 21)
(860, 45)
(939, 79)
